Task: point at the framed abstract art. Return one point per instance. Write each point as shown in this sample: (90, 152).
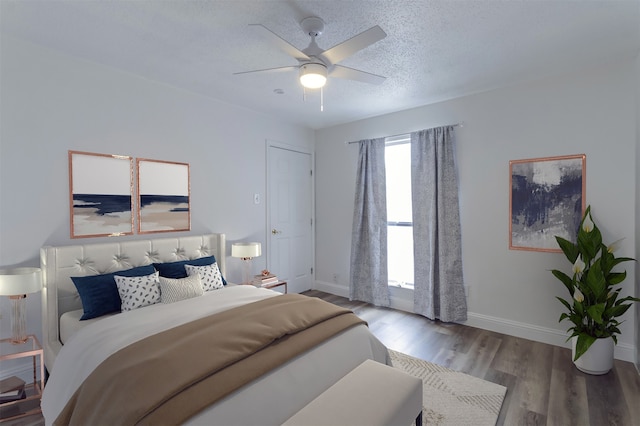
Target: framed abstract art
(547, 198)
(101, 201)
(163, 196)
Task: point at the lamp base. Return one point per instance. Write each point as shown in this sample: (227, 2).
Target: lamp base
(18, 319)
(246, 270)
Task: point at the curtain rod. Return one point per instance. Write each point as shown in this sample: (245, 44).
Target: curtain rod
(460, 124)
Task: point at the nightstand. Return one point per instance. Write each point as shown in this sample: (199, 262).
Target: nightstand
(274, 285)
(31, 404)
(267, 286)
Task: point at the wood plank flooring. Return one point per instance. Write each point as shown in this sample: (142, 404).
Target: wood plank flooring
(543, 386)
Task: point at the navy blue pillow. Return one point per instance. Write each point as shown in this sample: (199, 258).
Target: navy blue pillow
(177, 269)
(99, 293)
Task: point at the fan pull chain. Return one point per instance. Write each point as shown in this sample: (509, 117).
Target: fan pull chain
(321, 99)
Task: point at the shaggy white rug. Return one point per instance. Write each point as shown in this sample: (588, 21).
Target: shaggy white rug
(450, 397)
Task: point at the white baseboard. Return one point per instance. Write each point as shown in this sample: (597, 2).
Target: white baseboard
(327, 287)
(623, 351)
(25, 372)
(340, 290)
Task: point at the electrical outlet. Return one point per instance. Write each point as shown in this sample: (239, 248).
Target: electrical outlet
(256, 198)
(335, 278)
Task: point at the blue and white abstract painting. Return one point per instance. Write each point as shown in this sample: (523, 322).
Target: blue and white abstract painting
(101, 194)
(163, 191)
(547, 200)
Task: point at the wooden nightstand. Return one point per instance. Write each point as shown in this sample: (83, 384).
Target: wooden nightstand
(31, 404)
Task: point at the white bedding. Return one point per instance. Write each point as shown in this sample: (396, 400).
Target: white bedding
(70, 323)
(272, 399)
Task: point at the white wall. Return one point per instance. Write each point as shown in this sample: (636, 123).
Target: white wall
(53, 103)
(637, 308)
(592, 112)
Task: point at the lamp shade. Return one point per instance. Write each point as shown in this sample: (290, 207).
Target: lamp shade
(19, 281)
(313, 76)
(246, 250)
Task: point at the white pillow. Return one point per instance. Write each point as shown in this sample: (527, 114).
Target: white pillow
(173, 290)
(209, 275)
(136, 292)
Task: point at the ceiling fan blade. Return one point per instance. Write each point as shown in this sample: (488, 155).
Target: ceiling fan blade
(284, 45)
(340, 71)
(288, 68)
(353, 45)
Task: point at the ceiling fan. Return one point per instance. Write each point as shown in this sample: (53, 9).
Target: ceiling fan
(315, 64)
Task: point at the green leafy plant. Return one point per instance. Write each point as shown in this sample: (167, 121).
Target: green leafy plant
(594, 287)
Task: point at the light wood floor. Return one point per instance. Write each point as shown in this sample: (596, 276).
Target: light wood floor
(543, 386)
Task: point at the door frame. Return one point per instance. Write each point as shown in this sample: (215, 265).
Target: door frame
(269, 144)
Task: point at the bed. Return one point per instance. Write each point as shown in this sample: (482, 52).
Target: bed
(75, 349)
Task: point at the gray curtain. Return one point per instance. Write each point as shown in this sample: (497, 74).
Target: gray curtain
(438, 282)
(369, 278)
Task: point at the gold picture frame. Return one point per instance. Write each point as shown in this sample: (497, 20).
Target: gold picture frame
(100, 194)
(164, 196)
(546, 199)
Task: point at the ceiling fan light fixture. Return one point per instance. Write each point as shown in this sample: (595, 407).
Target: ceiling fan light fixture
(313, 76)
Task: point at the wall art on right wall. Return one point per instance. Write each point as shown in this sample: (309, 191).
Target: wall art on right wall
(547, 198)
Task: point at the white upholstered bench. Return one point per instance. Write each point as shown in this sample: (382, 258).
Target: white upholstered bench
(372, 394)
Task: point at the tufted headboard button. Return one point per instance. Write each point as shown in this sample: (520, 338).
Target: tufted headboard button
(153, 256)
(180, 253)
(85, 266)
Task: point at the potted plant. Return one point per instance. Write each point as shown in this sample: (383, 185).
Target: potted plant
(594, 288)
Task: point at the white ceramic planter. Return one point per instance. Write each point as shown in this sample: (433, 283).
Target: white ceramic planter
(598, 359)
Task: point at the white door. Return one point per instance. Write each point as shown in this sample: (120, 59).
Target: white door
(289, 236)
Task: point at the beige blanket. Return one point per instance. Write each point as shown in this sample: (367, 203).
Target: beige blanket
(171, 376)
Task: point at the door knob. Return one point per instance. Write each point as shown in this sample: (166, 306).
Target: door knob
(275, 231)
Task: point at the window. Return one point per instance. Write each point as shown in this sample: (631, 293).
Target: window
(399, 216)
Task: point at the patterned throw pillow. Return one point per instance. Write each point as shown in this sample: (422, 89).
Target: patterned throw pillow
(209, 275)
(136, 292)
(175, 289)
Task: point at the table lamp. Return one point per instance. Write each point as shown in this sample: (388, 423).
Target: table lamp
(16, 283)
(246, 252)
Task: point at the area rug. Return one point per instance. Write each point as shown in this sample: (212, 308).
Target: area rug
(450, 397)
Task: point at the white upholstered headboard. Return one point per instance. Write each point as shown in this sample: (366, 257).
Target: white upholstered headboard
(60, 263)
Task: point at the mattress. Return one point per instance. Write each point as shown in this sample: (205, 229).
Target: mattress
(70, 323)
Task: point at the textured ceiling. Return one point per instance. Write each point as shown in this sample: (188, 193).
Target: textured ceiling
(434, 50)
